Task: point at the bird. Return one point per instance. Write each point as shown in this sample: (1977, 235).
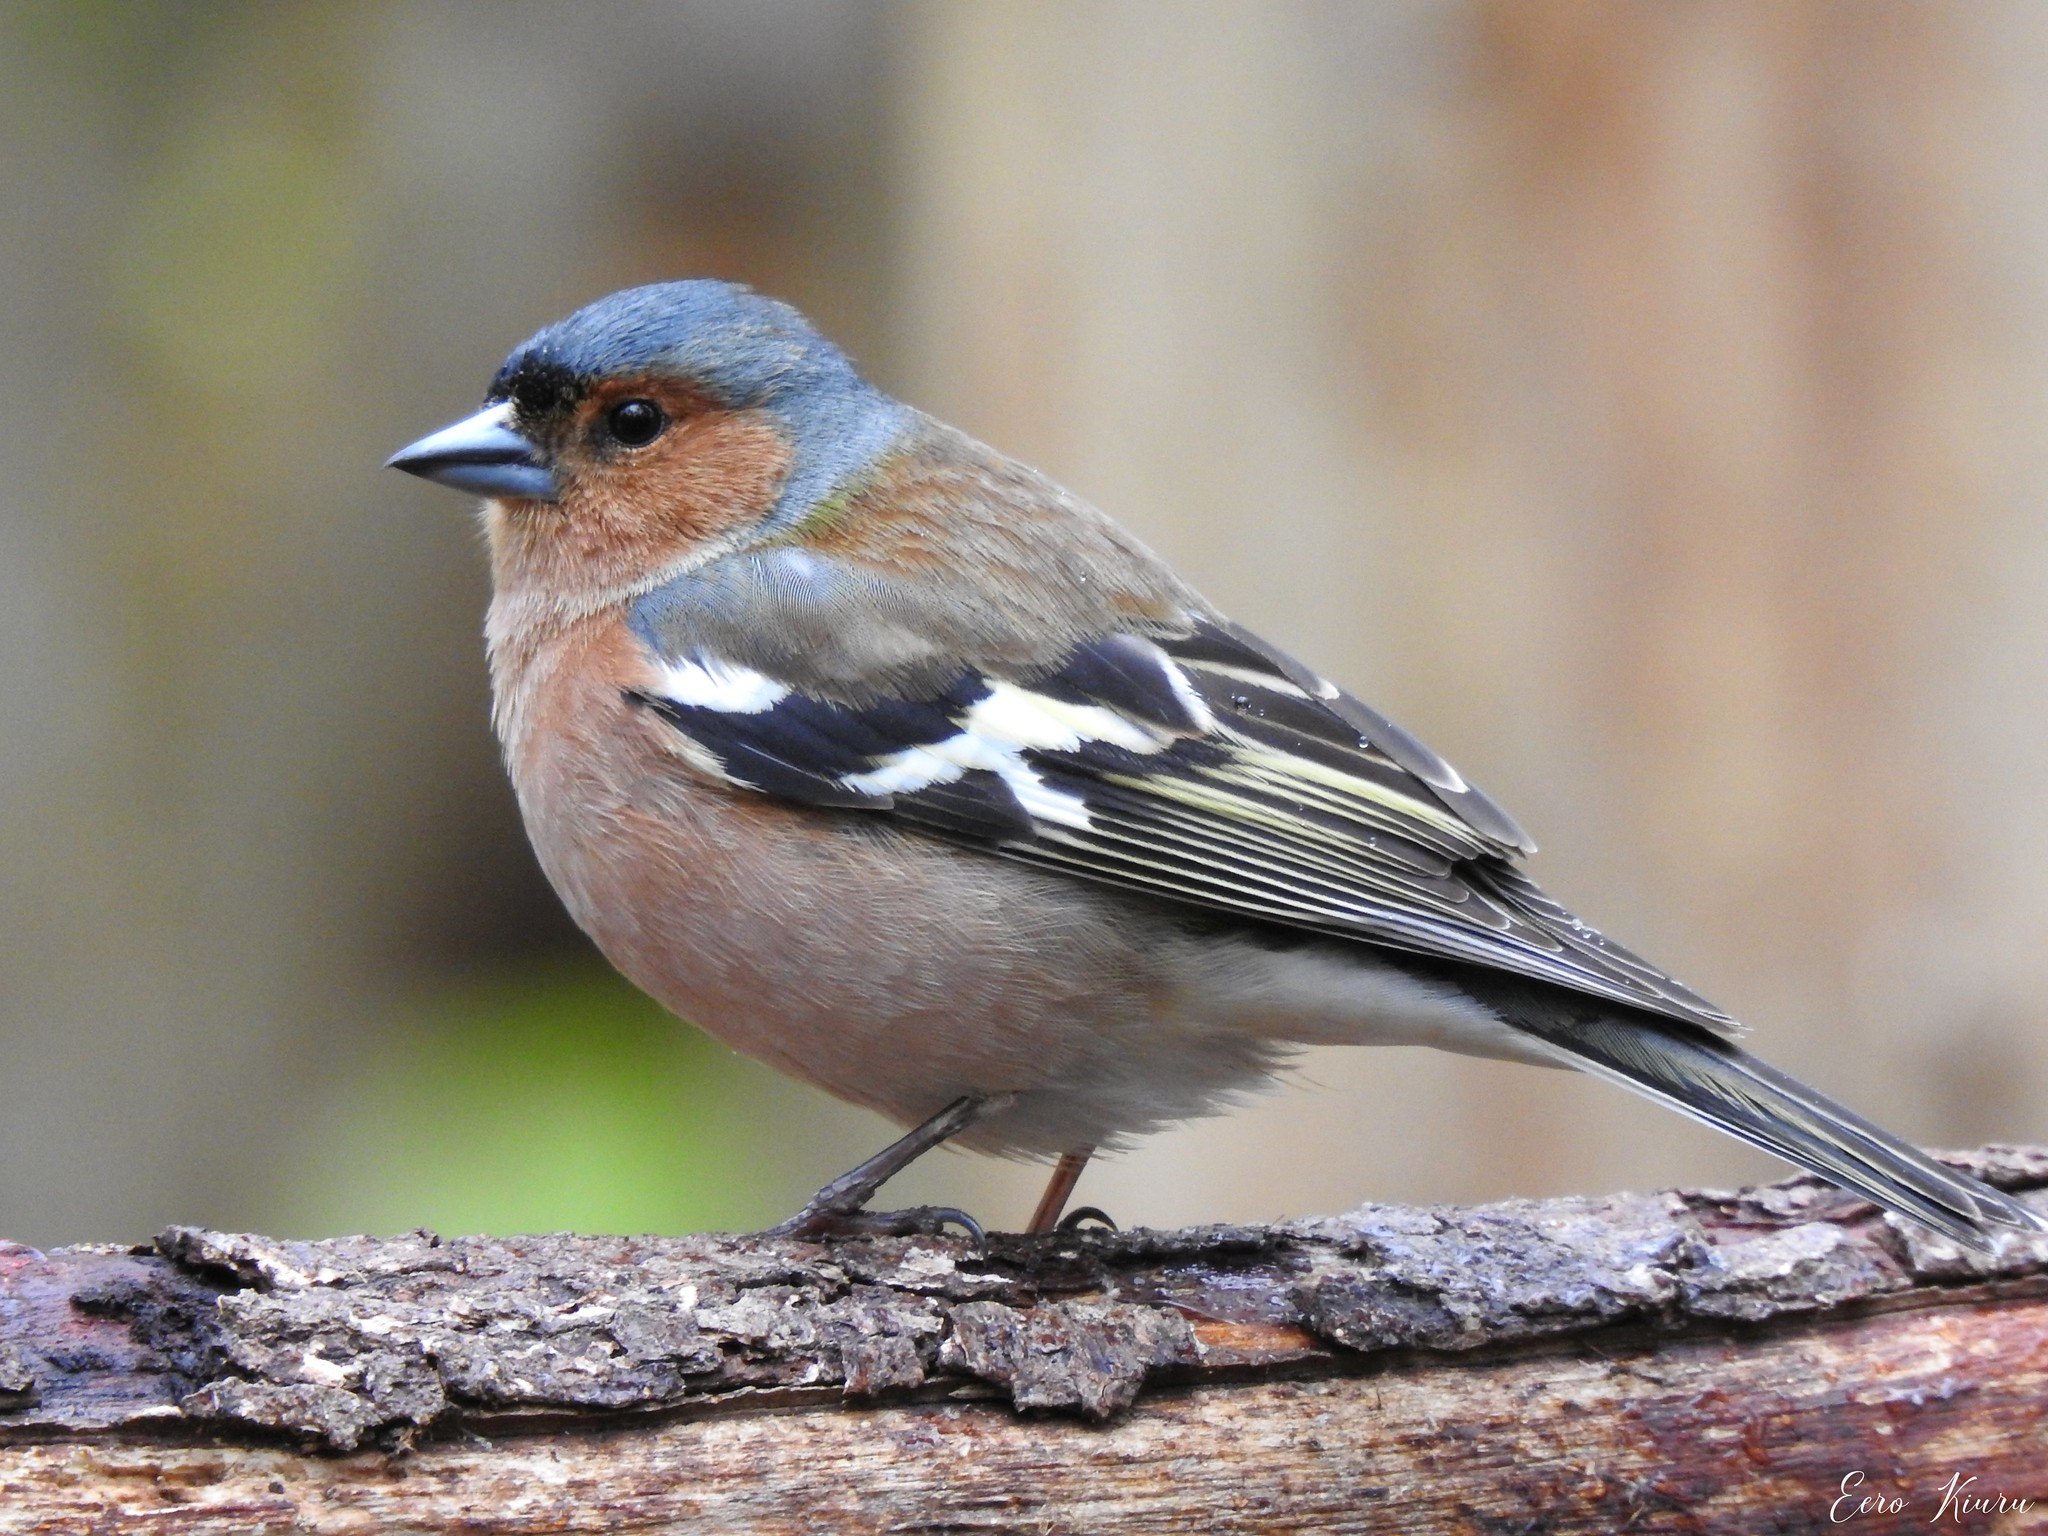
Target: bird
(894, 764)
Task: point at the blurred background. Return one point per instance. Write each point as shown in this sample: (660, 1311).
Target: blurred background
(1646, 404)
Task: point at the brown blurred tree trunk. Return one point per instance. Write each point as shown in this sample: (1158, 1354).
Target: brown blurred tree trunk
(1641, 402)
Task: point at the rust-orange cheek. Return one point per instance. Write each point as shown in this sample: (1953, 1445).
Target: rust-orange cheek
(634, 513)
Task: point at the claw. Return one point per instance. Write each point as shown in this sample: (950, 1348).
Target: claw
(1081, 1215)
(952, 1216)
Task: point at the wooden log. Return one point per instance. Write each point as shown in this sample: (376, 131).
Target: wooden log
(1779, 1359)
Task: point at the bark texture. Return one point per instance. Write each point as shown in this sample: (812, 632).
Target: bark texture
(1683, 1361)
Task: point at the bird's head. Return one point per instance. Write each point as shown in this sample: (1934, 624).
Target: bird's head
(622, 442)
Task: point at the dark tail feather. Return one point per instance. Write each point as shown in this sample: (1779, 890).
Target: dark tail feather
(1713, 1081)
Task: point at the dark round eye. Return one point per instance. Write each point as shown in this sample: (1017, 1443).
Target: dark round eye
(635, 423)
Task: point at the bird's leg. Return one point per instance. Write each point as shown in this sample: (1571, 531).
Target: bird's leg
(838, 1208)
(1066, 1173)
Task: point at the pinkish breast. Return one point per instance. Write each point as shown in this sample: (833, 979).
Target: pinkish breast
(886, 968)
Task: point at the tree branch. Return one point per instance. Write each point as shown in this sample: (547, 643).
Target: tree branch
(1594, 1361)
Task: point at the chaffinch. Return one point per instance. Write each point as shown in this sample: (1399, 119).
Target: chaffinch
(893, 764)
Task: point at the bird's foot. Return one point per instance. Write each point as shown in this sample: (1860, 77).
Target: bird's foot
(840, 1208)
(821, 1221)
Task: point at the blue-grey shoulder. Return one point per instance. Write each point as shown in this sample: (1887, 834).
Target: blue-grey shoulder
(824, 622)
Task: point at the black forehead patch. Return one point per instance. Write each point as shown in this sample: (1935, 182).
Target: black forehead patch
(738, 347)
(537, 385)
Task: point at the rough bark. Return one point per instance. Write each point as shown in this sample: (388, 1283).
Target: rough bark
(1684, 1361)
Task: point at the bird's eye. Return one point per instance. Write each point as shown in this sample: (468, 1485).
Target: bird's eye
(635, 423)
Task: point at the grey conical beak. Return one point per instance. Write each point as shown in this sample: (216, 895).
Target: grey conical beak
(484, 454)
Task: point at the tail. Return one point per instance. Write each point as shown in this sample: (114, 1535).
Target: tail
(1723, 1086)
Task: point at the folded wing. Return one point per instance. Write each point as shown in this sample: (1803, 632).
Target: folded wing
(1201, 766)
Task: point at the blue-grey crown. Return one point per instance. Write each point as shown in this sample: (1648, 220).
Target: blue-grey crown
(740, 348)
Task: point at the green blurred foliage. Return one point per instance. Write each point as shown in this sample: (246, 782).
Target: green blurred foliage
(552, 1098)
(139, 48)
(244, 250)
